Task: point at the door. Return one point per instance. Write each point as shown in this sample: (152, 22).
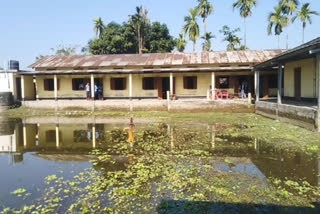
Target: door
(265, 88)
(297, 84)
(18, 88)
(165, 87)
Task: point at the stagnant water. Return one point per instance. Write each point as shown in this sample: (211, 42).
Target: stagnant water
(32, 150)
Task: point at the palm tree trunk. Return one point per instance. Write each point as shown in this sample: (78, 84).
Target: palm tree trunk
(287, 43)
(139, 42)
(279, 41)
(245, 33)
(303, 28)
(194, 46)
(205, 26)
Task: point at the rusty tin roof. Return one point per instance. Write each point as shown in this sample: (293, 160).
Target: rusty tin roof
(157, 59)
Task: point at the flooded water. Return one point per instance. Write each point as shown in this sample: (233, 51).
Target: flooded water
(31, 150)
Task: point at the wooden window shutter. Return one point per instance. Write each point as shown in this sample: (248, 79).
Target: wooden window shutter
(73, 84)
(185, 84)
(124, 83)
(46, 84)
(144, 83)
(195, 80)
(58, 84)
(155, 83)
(112, 84)
(217, 82)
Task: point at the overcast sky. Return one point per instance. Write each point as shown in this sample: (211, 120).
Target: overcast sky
(31, 27)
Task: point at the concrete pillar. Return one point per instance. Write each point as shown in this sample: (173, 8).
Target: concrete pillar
(279, 83)
(255, 82)
(55, 87)
(93, 136)
(57, 137)
(130, 86)
(171, 84)
(22, 88)
(257, 85)
(213, 85)
(92, 86)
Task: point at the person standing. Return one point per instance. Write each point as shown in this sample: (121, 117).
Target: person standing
(88, 91)
(95, 91)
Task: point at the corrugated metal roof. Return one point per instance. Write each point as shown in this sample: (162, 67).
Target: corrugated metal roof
(157, 59)
(143, 70)
(299, 52)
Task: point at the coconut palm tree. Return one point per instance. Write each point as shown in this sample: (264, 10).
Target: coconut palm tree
(304, 14)
(205, 8)
(181, 43)
(98, 27)
(191, 26)
(245, 8)
(231, 37)
(139, 23)
(278, 21)
(206, 45)
(288, 8)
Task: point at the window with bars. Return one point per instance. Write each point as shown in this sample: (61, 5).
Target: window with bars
(148, 83)
(118, 83)
(190, 82)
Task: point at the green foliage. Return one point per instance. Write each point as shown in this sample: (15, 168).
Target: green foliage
(304, 14)
(231, 37)
(181, 43)
(191, 26)
(206, 45)
(98, 27)
(19, 191)
(159, 39)
(245, 7)
(140, 23)
(277, 20)
(120, 39)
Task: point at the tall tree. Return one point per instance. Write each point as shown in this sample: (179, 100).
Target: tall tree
(288, 8)
(304, 14)
(98, 27)
(191, 27)
(245, 8)
(120, 39)
(181, 43)
(205, 8)
(159, 39)
(234, 42)
(206, 45)
(278, 21)
(139, 23)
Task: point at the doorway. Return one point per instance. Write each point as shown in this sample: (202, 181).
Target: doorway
(18, 88)
(165, 86)
(98, 94)
(297, 84)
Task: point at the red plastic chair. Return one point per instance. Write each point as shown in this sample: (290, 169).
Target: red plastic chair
(225, 94)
